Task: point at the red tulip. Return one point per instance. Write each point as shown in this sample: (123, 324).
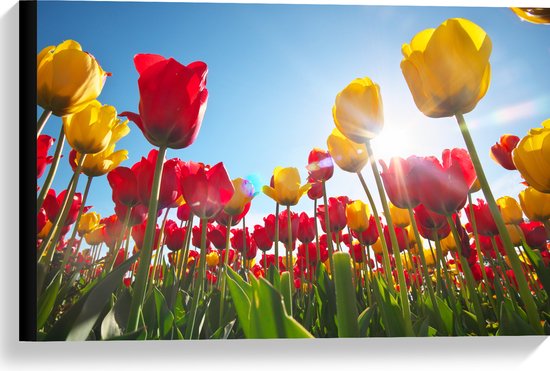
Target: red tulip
(120, 257)
(402, 238)
(138, 234)
(316, 190)
(431, 224)
(52, 205)
(320, 165)
(42, 219)
(478, 274)
(501, 152)
(257, 271)
(356, 251)
(306, 229)
(535, 234)
(262, 239)
(217, 235)
(485, 223)
(283, 227)
(124, 183)
(112, 230)
(137, 215)
(172, 100)
(196, 235)
(237, 241)
(443, 186)
(311, 248)
(206, 190)
(43, 144)
(223, 217)
(231, 258)
(269, 223)
(184, 212)
(400, 186)
(270, 258)
(170, 189)
(336, 213)
(370, 235)
(175, 236)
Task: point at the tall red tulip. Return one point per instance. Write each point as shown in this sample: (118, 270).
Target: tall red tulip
(52, 205)
(43, 144)
(400, 186)
(431, 224)
(206, 189)
(175, 236)
(283, 227)
(172, 101)
(535, 234)
(370, 235)
(320, 165)
(138, 234)
(217, 235)
(223, 217)
(262, 238)
(486, 225)
(336, 213)
(184, 212)
(316, 190)
(402, 238)
(443, 186)
(124, 183)
(306, 229)
(137, 215)
(196, 235)
(501, 152)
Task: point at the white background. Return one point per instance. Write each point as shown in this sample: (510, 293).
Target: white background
(410, 354)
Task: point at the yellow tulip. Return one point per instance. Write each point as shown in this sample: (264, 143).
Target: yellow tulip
(244, 193)
(377, 246)
(67, 78)
(514, 234)
(91, 129)
(533, 15)
(358, 110)
(412, 238)
(532, 157)
(101, 163)
(287, 189)
(476, 187)
(448, 243)
(430, 257)
(45, 230)
(88, 222)
(535, 204)
(212, 259)
(357, 216)
(400, 217)
(510, 210)
(347, 154)
(94, 237)
(447, 69)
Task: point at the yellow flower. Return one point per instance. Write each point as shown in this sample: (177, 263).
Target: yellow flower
(212, 259)
(510, 210)
(532, 157)
(244, 193)
(377, 246)
(88, 222)
(67, 78)
(347, 154)
(533, 15)
(358, 111)
(101, 163)
(448, 243)
(430, 257)
(514, 234)
(357, 216)
(94, 237)
(45, 230)
(476, 187)
(91, 129)
(447, 69)
(412, 237)
(535, 204)
(400, 217)
(287, 188)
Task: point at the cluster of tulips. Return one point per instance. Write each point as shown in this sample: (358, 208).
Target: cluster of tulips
(431, 262)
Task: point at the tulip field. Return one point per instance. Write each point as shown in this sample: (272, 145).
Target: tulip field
(428, 250)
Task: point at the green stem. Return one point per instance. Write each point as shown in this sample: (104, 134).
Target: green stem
(525, 293)
(317, 247)
(159, 250)
(290, 266)
(42, 121)
(395, 247)
(53, 169)
(199, 282)
(328, 231)
(276, 237)
(183, 262)
(385, 254)
(147, 249)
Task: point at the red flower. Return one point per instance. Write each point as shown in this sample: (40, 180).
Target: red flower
(269, 223)
(486, 225)
(478, 274)
(270, 259)
(223, 217)
(175, 236)
(535, 234)
(431, 224)
(231, 258)
(196, 235)
(120, 257)
(217, 235)
(172, 100)
(283, 227)
(486, 246)
(400, 186)
(170, 189)
(211, 278)
(311, 250)
(501, 152)
(402, 238)
(124, 183)
(137, 215)
(42, 219)
(52, 205)
(262, 239)
(443, 187)
(184, 212)
(306, 229)
(316, 190)
(370, 235)
(237, 241)
(356, 251)
(206, 190)
(257, 271)
(336, 213)
(138, 234)
(320, 165)
(43, 144)
(127, 281)
(112, 230)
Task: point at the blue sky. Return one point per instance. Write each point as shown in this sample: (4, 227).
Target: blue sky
(274, 71)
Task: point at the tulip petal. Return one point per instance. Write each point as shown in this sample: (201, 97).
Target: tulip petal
(144, 61)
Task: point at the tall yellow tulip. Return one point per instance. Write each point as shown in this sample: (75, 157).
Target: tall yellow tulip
(510, 210)
(357, 216)
(244, 193)
(67, 78)
(447, 69)
(535, 204)
(358, 110)
(95, 236)
(400, 217)
(101, 163)
(88, 222)
(533, 15)
(347, 154)
(532, 157)
(287, 189)
(91, 129)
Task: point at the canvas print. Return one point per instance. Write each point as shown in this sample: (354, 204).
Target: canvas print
(231, 171)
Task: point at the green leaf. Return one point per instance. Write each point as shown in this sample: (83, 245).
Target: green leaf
(96, 300)
(241, 299)
(139, 334)
(543, 272)
(286, 291)
(165, 318)
(511, 323)
(392, 316)
(114, 323)
(364, 320)
(346, 308)
(47, 300)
